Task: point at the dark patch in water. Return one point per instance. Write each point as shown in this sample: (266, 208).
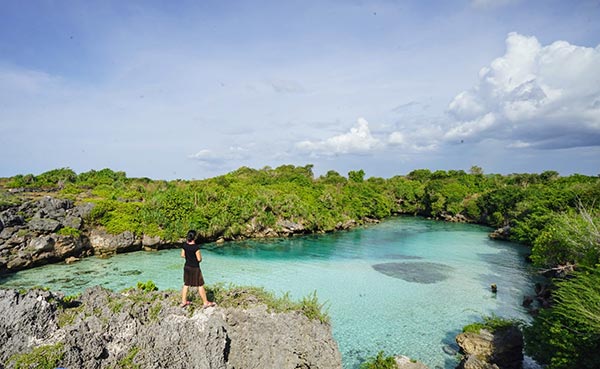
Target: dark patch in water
(419, 272)
(402, 256)
(131, 272)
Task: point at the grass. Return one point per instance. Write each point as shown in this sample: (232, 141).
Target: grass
(246, 296)
(127, 361)
(42, 357)
(491, 323)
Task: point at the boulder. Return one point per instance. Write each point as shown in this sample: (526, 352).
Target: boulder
(41, 244)
(151, 242)
(11, 218)
(473, 362)
(44, 225)
(71, 260)
(503, 347)
(69, 245)
(72, 222)
(350, 223)
(18, 263)
(288, 227)
(7, 232)
(501, 233)
(82, 211)
(105, 244)
(404, 362)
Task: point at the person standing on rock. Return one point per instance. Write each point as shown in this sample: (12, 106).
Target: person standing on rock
(192, 275)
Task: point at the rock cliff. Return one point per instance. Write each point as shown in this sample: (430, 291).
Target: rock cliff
(138, 329)
(500, 349)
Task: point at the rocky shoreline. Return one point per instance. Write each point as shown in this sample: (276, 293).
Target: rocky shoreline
(148, 329)
(50, 230)
(144, 328)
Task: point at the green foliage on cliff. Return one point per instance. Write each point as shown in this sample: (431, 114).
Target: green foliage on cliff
(491, 323)
(568, 334)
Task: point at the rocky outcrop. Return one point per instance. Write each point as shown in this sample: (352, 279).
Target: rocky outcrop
(502, 233)
(457, 218)
(501, 349)
(105, 244)
(41, 231)
(103, 329)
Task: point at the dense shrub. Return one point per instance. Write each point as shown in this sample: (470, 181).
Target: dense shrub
(568, 334)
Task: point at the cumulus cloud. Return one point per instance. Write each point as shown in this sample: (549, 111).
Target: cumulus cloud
(424, 138)
(533, 96)
(358, 141)
(210, 157)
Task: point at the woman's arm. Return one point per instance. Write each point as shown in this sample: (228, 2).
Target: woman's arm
(182, 253)
(198, 256)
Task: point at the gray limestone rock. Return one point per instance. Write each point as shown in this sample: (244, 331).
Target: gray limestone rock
(150, 330)
(44, 225)
(40, 244)
(72, 222)
(10, 218)
(108, 244)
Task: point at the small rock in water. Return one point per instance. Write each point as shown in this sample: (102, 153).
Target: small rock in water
(449, 350)
(71, 259)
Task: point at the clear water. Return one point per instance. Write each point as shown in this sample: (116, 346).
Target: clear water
(431, 279)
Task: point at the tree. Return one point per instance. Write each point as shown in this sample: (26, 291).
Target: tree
(356, 176)
(475, 170)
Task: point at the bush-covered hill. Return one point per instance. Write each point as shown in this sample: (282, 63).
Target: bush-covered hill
(558, 217)
(534, 209)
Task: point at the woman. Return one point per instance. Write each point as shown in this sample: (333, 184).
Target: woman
(192, 275)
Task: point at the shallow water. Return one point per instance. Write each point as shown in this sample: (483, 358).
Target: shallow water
(405, 286)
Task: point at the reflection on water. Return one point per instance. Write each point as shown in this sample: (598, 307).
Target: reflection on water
(441, 277)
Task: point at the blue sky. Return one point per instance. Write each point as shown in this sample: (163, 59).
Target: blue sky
(194, 89)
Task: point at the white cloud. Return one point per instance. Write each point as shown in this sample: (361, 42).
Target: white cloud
(537, 96)
(358, 141)
(210, 157)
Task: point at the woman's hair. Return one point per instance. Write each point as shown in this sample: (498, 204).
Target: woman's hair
(191, 236)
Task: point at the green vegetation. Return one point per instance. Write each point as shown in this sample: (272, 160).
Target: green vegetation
(558, 217)
(542, 210)
(127, 361)
(148, 286)
(42, 357)
(243, 296)
(379, 362)
(68, 231)
(490, 323)
(568, 334)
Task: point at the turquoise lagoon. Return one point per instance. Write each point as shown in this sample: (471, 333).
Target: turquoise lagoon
(405, 286)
